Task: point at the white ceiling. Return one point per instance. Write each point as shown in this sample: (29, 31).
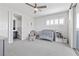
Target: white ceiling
(51, 8)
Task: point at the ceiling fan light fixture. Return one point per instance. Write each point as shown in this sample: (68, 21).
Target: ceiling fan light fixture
(35, 9)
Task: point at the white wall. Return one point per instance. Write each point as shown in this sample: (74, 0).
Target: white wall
(26, 26)
(10, 32)
(6, 15)
(71, 27)
(3, 22)
(40, 23)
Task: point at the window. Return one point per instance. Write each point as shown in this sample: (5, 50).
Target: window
(56, 21)
(77, 21)
(61, 21)
(47, 22)
(52, 22)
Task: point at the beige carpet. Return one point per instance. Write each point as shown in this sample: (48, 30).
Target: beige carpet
(39, 48)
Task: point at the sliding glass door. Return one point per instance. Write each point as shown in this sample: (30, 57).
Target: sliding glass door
(77, 27)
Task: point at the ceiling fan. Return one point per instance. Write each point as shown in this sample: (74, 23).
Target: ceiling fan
(36, 7)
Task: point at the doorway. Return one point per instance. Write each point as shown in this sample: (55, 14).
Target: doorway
(17, 27)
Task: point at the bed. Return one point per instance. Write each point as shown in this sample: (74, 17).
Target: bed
(47, 35)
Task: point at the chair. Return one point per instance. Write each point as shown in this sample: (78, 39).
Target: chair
(32, 35)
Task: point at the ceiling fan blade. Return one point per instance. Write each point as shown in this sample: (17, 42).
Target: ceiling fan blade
(29, 5)
(35, 5)
(42, 7)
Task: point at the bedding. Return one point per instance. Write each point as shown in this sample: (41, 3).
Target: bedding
(47, 34)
